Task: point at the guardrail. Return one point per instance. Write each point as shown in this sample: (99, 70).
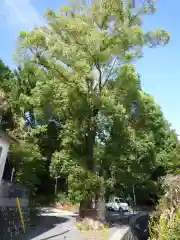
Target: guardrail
(128, 235)
(123, 234)
(129, 232)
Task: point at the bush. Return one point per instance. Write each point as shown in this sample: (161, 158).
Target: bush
(62, 198)
(165, 221)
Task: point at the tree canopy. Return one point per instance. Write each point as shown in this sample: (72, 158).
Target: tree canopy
(94, 124)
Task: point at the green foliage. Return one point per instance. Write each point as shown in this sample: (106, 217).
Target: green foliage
(62, 198)
(6, 89)
(29, 163)
(168, 226)
(165, 221)
(6, 78)
(86, 184)
(77, 70)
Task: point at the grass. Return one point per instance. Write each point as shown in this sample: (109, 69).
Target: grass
(90, 229)
(94, 235)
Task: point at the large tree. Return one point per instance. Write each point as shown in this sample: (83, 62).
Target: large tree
(77, 57)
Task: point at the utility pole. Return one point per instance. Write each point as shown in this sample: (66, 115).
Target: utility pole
(134, 196)
(12, 174)
(55, 190)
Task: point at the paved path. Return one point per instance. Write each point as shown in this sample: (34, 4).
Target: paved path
(54, 224)
(51, 224)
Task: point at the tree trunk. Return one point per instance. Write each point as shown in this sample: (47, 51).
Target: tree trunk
(86, 206)
(100, 203)
(97, 212)
(87, 209)
(90, 141)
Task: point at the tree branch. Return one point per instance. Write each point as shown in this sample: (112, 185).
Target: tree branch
(37, 54)
(100, 76)
(105, 82)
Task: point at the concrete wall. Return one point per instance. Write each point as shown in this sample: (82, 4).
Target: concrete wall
(4, 144)
(123, 233)
(129, 235)
(10, 224)
(129, 232)
(13, 190)
(11, 202)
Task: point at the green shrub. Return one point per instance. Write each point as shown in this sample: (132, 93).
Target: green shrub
(165, 221)
(63, 198)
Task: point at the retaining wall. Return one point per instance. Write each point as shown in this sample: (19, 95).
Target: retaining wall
(129, 235)
(10, 224)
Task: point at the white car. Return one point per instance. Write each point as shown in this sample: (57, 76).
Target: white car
(117, 204)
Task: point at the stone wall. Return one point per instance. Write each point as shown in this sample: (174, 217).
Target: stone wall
(10, 223)
(13, 190)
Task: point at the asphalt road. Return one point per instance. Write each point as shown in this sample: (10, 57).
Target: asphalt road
(119, 218)
(50, 224)
(141, 228)
(55, 225)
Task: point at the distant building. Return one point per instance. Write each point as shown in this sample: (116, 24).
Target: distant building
(5, 140)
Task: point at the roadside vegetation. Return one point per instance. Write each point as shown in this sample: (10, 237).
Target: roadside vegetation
(165, 221)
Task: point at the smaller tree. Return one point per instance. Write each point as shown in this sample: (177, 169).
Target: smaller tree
(28, 163)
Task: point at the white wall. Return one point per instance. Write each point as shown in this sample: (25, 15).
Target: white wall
(5, 145)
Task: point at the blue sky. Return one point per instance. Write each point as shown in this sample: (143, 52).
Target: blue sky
(159, 68)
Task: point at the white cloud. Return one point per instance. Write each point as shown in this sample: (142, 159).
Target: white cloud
(20, 14)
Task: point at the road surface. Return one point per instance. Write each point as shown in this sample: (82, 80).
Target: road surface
(141, 227)
(54, 224)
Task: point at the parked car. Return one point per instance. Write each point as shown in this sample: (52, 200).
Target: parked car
(117, 204)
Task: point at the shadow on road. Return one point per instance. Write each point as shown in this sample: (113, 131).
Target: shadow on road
(41, 225)
(118, 218)
(47, 221)
(57, 235)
